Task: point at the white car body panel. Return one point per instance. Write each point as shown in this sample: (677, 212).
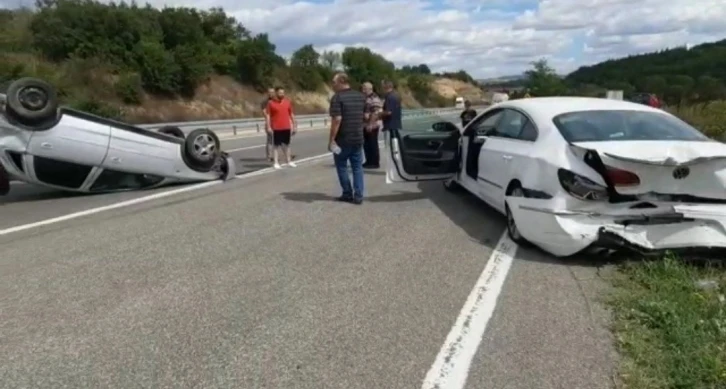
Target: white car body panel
(73, 140)
(564, 225)
(87, 140)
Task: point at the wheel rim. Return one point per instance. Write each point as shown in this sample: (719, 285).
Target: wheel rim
(511, 224)
(32, 98)
(204, 146)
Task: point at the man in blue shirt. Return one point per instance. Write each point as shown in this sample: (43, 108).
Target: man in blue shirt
(391, 114)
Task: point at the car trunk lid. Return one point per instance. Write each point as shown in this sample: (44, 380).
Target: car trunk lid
(696, 168)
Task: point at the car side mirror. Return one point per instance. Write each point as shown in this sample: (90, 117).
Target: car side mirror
(444, 127)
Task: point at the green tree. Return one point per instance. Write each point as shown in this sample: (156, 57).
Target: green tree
(256, 61)
(305, 68)
(416, 69)
(331, 60)
(653, 84)
(127, 51)
(542, 80)
(362, 65)
(709, 88)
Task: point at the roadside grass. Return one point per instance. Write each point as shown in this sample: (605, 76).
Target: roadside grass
(670, 324)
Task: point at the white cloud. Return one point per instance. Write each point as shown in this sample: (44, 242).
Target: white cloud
(485, 37)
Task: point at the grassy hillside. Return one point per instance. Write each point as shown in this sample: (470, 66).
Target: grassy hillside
(146, 65)
(679, 75)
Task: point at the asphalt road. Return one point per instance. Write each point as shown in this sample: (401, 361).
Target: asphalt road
(266, 282)
(29, 203)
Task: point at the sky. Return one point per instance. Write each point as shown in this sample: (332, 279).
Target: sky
(487, 38)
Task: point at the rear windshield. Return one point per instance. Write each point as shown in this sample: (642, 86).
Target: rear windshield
(594, 126)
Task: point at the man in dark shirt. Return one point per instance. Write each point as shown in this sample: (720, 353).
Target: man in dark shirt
(391, 114)
(347, 112)
(468, 114)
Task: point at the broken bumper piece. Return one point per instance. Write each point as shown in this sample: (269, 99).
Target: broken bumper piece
(681, 228)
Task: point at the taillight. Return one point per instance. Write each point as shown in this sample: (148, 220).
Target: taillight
(620, 177)
(581, 187)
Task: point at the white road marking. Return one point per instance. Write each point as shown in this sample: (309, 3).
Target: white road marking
(245, 148)
(451, 367)
(145, 199)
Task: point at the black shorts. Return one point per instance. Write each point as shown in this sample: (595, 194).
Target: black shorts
(281, 137)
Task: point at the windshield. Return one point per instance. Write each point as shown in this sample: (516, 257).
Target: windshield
(600, 126)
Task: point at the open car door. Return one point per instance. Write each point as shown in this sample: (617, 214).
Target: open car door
(429, 152)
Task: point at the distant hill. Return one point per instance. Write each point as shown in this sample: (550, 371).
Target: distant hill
(685, 67)
(500, 80)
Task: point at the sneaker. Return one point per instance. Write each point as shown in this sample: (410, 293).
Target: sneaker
(345, 199)
(277, 166)
(292, 164)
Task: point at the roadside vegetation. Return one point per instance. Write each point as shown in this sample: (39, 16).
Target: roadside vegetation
(669, 315)
(105, 57)
(670, 325)
(691, 82)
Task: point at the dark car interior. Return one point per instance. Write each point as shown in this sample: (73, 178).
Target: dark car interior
(430, 152)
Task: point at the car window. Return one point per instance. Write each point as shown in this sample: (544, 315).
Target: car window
(114, 180)
(511, 124)
(60, 173)
(614, 125)
(486, 123)
(529, 132)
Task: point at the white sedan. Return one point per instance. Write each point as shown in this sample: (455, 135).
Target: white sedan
(576, 173)
(67, 149)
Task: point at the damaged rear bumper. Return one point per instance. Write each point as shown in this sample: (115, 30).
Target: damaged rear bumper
(676, 227)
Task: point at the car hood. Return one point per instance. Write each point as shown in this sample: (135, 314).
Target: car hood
(667, 167)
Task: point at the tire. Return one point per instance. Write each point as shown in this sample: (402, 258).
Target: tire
(172, 131)
(202, 148)
(512, 229)
(32, 103)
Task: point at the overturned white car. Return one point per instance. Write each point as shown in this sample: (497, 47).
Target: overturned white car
(67, 149)
(575, 173)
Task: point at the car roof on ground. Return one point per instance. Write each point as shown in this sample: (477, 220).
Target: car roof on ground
(549, 107)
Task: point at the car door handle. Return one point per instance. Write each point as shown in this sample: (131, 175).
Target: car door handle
(435, 143)
(46, 145)
(506, 157)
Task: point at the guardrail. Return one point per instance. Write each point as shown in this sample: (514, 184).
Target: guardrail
(247, 125)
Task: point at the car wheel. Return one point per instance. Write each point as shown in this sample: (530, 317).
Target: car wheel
(202, 148)
(512, 229)
(32, 103)
(172, 131)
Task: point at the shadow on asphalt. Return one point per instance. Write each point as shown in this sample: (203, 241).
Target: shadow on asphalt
(23, 193)
(311, 197)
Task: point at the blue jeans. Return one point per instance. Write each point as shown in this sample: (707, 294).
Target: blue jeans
(354, 154)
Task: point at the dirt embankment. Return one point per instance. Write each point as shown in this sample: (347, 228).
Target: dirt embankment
(224, 98)
(453, 88)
